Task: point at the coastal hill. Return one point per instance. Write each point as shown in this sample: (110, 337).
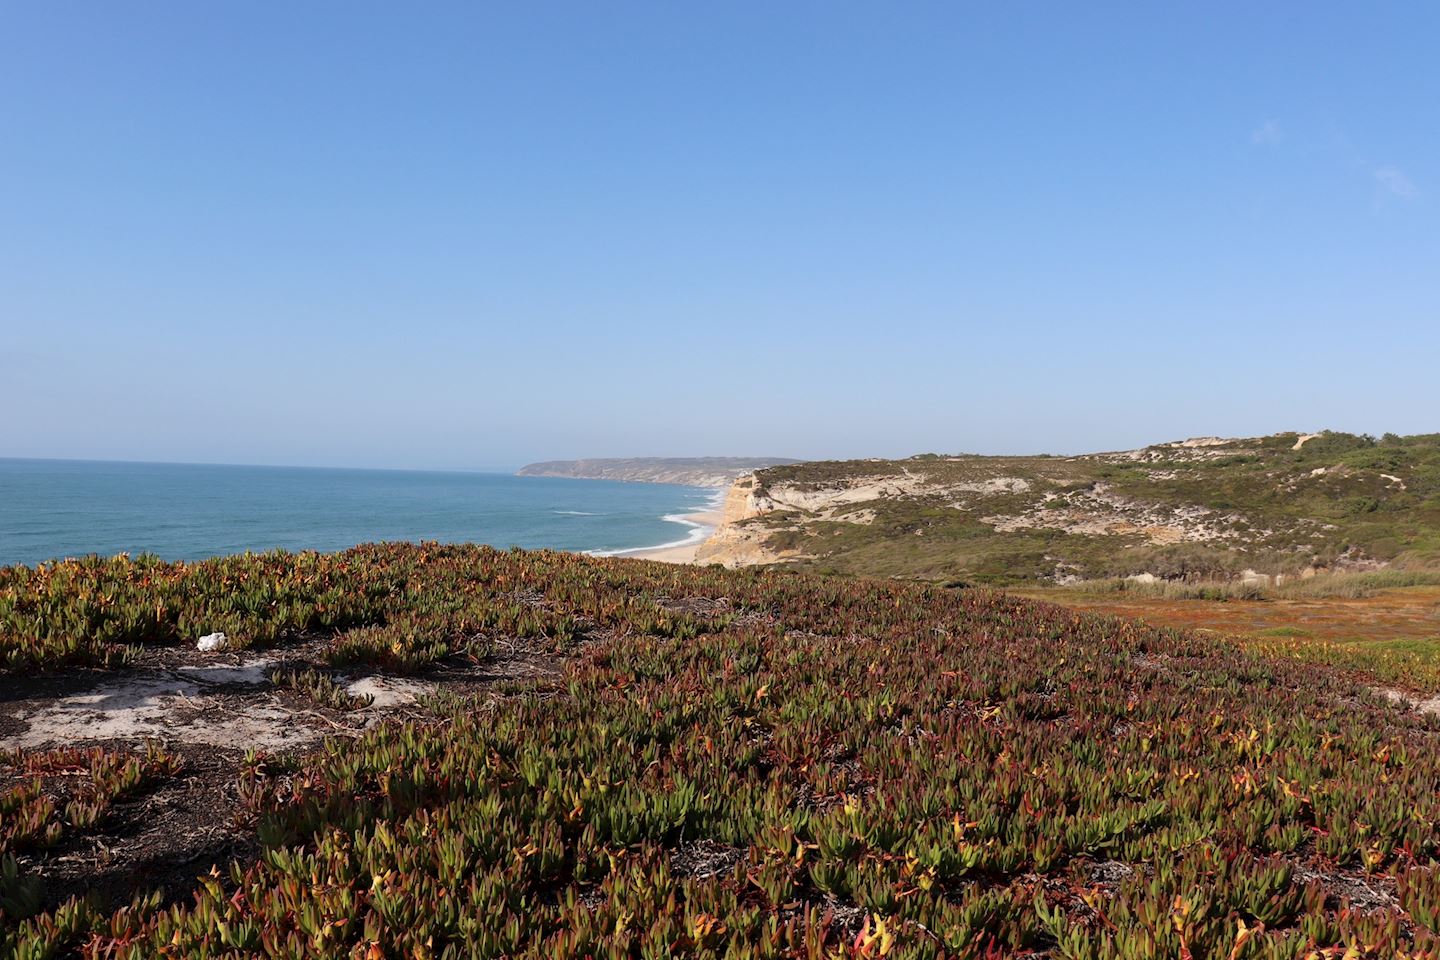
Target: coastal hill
(1208, 508)
(693, 471)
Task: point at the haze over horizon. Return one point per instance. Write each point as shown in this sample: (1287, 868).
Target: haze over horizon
(510, 468)
(336, 235)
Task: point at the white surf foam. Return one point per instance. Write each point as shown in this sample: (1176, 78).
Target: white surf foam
(698, 532)
(714, 501)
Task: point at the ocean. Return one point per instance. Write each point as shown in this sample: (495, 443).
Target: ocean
(67, 508)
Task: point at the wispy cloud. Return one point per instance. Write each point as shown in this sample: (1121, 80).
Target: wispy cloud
(1393, 181)
(1267, 134)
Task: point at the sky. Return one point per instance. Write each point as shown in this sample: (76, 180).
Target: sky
(468, 236)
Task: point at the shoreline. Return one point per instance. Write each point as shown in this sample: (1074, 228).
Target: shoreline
(703, 523)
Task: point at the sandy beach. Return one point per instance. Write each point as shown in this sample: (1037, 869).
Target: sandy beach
(721, 535)
(705, 523)
(717, 533)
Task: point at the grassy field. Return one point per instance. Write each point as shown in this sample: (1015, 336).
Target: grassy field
(1385, 625)
(1196, 511)
(723, 764)
(1335, 586)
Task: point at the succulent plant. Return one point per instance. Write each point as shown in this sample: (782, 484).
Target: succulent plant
(894, 770)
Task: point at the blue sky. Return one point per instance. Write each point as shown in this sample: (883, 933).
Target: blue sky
(471, 235)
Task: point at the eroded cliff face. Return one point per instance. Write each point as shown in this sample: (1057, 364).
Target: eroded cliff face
(737, 542)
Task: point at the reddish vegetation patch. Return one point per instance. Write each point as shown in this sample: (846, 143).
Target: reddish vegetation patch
(1390, 639)
(1409, 614)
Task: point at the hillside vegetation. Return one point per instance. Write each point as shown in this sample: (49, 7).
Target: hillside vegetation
(746, 763)
(1207, 509)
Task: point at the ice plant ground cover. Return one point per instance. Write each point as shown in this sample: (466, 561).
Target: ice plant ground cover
(744, 764)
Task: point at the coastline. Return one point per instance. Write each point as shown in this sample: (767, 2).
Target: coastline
(703, 524)
(720, 534)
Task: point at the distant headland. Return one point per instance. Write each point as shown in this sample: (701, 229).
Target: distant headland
(693, 471)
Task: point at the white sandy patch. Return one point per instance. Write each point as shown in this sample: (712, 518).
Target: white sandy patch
(1428, 705)
(826, 500)
(994, 485)
(162, 707)
(197, 704)
(389, 691)
(860, 490)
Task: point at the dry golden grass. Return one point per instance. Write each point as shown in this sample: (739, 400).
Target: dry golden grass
(1392, 633)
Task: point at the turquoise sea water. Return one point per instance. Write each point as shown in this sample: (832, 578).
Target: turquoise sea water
(59, 508)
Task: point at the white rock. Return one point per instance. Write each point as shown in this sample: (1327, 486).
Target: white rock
(1252, 578)
(212, 643)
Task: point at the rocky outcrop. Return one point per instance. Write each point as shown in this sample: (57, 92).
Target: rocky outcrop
(737, 542)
